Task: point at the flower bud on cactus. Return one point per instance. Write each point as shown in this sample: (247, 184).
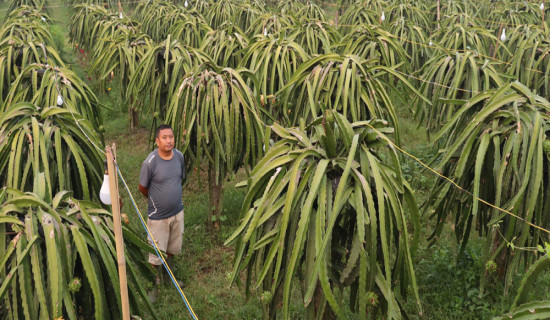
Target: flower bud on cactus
(75, 285)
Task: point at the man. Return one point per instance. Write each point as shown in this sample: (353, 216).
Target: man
(160, 181)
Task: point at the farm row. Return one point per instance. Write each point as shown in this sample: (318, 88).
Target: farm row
(308, 105)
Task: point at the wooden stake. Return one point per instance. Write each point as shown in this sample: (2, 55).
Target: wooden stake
(498, 40)
(438, 14)
(115, 206)
(544, 6)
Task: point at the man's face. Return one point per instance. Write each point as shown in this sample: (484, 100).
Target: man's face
(165, 140)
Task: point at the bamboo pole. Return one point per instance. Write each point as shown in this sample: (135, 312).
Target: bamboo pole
(543, 8)
(498, 40)
(115, 206)
(438, 14)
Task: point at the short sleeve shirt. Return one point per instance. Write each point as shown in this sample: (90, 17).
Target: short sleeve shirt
(163, 180)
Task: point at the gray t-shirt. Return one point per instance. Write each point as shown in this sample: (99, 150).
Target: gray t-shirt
(163, 180)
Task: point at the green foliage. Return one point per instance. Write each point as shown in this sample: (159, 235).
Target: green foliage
(17, 57)
(361, 13)
(46, 145)
(529, 61)
(84, 22)
(191, 31)
(462, 36)
(449, 287)
(493, 149)
(225, 45)
(459, 76)
(514, 13)
(271, 24)
(156, 17)
(325, 206)
(413, 39)
(311, 11)
(246, 12)
(415, 13)
(521, 309)
(42, 84)
(119, 54)
(161, 69)
(532, 311)
(370, 42)
(344, 83)
(215, 119)
(273, 61)
(303, 66)
(38, 4)
(316, 37)
(104, 3)
(59, 259)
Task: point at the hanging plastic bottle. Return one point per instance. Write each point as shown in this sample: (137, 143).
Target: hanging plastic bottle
(59, 100)
(503, 35)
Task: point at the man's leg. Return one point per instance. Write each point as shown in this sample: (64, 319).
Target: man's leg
(175, 241)
(159, 230)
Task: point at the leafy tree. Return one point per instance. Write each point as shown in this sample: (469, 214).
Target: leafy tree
(225, 46)
(493, 149)
(326, 203)
(273, 60)
(449, 77)
(271, 24)
(344, 83)
(216, 122)
(116, 56)
(59, 259)
(48, 142)
(371, 42)
(159, 73)
(43, 85)
(315, 37)
(157, 17)
(84, 22)
(38, 4)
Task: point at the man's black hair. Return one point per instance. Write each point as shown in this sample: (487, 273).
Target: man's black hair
(162, 127)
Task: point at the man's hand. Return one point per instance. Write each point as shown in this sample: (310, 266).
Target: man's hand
(144, 191)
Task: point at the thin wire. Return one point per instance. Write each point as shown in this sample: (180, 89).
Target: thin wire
(454, 183)
(508, 243)
(435, 83)
(164, 263)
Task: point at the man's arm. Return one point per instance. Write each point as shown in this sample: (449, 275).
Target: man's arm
(144, 177)
(144, 191)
